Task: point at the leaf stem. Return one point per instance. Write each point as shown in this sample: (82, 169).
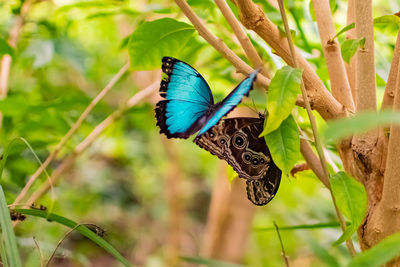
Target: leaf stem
(311, 117)
(285, 258)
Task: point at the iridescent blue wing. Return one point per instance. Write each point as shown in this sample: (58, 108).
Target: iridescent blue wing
(231, 101)
(188, 98)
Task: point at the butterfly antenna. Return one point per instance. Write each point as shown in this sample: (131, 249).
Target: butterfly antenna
(255, 107)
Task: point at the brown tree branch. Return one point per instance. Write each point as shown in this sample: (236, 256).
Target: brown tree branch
(313, 123)
(388, 97)
(365, 65)
(82, 146)
(351, 34)
(331, 48)
(313, 161)
(384, 220)
(71, 131)
(218, 44)
(252, 17)
(245, 42)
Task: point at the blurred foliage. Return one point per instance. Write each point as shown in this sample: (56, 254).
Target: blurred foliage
(67, 51)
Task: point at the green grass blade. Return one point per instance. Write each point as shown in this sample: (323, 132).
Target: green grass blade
(81, 229)
(299, 227)
(209, 262)
(8, 235)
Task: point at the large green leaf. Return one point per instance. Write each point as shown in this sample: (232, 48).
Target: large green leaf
(378, 255)
(155, 39)
(79, 228)
(284, 144)
(351, 200)
(349, 48)
(360, 123)
(345, 29)
(282, 94)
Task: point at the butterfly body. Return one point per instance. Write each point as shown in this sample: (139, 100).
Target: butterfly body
(189, 105)
(236, 141)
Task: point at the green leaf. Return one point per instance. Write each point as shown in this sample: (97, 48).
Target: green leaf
(209, 262)
(360, 123)
(378, 255)
(345, 29)
(155, 39)
(349, 48)
(284, 144)
(282, 94)
(230, 173)
(299, 227)
(386, 19)
(351, 200)
(5, 48)
(79, 228)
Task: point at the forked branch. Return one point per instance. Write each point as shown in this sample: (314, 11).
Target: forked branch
(218, 44)
(252, 17)
(332, 52)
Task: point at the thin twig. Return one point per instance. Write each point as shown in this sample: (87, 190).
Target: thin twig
(218, 44)
(244, 41)
(71, 131)
(82, 146)
(40, 251)
(285, 257)
(313, 123)
(59, 243)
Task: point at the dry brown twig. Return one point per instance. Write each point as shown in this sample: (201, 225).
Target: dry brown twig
(245, 42)
(218, 44)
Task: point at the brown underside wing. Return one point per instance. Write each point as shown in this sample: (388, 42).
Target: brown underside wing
(236, 141)
(262, 191)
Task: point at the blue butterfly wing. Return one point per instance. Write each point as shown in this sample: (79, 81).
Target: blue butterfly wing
(188, 98)
(231, 101)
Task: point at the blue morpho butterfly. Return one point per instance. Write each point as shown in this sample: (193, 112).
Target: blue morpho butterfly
(189, 105)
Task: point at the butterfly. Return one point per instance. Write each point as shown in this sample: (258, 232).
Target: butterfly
(236, 141)
(189, 104)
